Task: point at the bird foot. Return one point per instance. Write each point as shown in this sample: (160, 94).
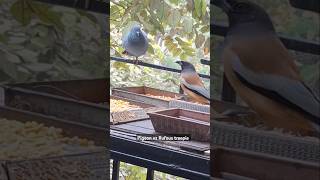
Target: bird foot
(136, 62)
(183, 98)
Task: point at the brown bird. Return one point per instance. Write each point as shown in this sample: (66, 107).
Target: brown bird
(263, 73)
(191, 83)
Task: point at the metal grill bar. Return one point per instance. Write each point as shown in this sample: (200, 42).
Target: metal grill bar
(290, 43)
(115, 170)
(150, 174)
(119, 59)
(159, 158)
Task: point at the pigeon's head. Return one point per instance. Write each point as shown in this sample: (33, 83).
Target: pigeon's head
(244, 12)
(186, 66)
(136, 29)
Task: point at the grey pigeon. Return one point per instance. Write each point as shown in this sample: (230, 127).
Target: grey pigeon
(135, 42)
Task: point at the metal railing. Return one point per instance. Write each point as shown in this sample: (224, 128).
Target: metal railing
(141, 63)
(171, 162)
(156, 158)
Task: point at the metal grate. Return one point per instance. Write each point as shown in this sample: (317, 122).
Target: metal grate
(120, 59)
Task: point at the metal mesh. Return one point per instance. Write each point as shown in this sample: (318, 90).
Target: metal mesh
(265, 142)
(189, 106)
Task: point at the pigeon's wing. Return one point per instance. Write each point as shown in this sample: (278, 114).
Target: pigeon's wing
(145, 35)
(200, 90)
(144, 43)
(125, 42)
(278, 87)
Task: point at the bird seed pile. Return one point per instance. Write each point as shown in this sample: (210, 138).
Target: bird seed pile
(19, 141)
(167, 98)
(120, 105)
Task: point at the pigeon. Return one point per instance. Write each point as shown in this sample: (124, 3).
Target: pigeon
(135, 42)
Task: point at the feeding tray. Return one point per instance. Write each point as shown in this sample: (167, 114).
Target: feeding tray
(249, 165)
(189, 105)
(180, 121)
(43, 161)
(147, 95)
(79, 166)
(125, 110)
(262, 141)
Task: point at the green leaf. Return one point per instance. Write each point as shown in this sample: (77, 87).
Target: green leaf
(205, 29)
(3, 38)
(146, 2)
(197, 7)
(176, 2)
(200, 8)
(188, 49)
(150, 49)
(88, 15)
(39, 67)
(168, 41)
(171, 46)
(79, 73)
(199, 40)
(204, 7)
(7, 66)
(119, 65)
(21, 12)
(181, 42)
(190, 5)
(28, 55)
(189, 53)
(176, 51)
(154, 5)
(183, 56)
(188, 24)
(46, 15)
(174, 18)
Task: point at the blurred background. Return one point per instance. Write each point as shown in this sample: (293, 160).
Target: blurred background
(289, 22)
(42, 42)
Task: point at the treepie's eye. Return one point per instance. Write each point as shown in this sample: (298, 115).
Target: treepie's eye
(241, 6)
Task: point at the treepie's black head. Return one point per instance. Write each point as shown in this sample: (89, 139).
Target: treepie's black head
(244, 12)
(186, 65)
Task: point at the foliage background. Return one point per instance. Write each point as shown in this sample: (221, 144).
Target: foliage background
(177, 30)
(40, 42)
